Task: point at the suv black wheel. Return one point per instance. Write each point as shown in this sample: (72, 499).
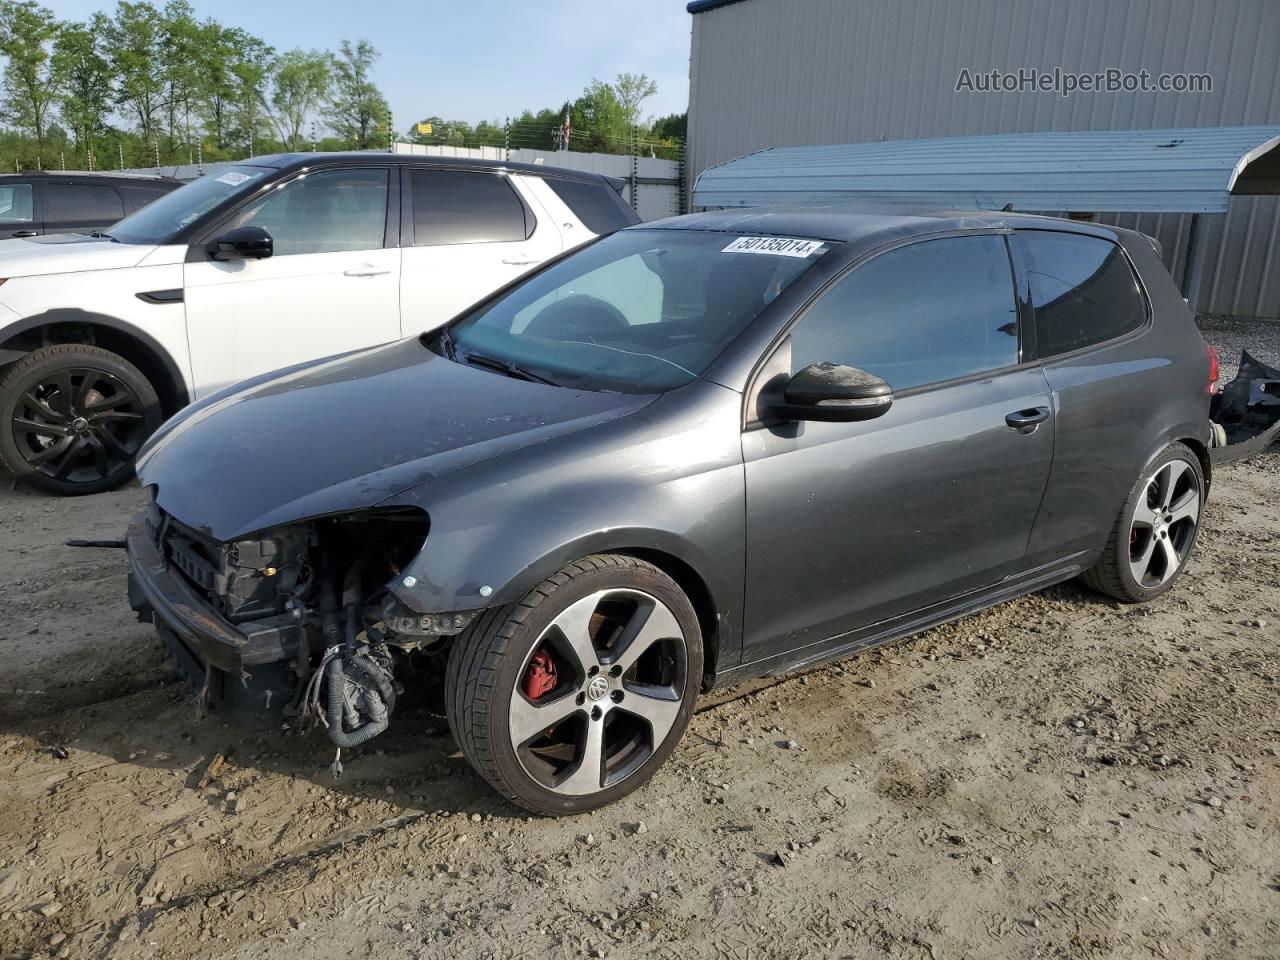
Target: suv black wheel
(72, 418)
(1155, 532)
(573, 697)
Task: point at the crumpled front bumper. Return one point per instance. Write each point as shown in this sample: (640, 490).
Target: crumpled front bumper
(157, 591)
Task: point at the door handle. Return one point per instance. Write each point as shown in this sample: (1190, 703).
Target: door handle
(519, 262)
(366, 270)
(1026, 421)
(26, 233)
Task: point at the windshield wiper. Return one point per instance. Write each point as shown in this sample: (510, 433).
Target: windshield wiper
(446, 341)
(507, 367)
(101, 235)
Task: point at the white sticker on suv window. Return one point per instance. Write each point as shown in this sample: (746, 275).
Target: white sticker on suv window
(776, 246)
(233, 179)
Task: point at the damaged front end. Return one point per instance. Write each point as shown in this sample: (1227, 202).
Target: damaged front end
(291, 622)
(1246, 412)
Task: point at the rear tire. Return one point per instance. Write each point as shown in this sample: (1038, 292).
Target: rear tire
(1156, 531)
(72, 418)
(619, 644)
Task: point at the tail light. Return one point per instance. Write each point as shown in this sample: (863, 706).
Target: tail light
(1214, 386)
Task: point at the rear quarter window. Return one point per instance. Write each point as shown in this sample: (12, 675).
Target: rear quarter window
(81, 203)
(463, 207)
(1083, 290)
(594, 204)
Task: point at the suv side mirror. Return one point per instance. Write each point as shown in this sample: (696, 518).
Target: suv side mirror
(242, 243)
(832, 392)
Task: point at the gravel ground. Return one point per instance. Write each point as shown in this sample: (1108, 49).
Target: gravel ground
(1060, 776)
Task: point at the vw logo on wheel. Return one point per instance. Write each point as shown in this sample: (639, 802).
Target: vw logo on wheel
(598, 687)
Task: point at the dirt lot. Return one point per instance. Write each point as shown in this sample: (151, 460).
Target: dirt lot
(1061, 776)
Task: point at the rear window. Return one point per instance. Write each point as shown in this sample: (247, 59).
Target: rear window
(1083, 289)
(81, 203)
(595, 204)
(451, 206)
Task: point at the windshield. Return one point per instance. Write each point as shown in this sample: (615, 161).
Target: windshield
(161, 220)
(641, 311)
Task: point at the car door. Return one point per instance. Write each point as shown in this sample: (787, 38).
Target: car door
(1109, 390)
(468, 233)
(80, 207)
(852, 524)
(19, 209)
(331, 285)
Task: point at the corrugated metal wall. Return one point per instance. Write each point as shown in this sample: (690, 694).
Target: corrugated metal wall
(781, 72)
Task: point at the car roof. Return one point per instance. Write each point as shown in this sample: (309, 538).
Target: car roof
(92, 176)
(287, 161)
(863, 226)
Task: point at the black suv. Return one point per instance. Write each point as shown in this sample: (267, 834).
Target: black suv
(35, 203)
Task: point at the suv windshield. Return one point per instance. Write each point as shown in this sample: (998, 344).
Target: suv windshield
(162, 220)
(641, 311)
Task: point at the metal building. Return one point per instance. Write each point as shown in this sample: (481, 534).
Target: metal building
(768, 73)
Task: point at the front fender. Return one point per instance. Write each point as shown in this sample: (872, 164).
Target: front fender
(668, 479)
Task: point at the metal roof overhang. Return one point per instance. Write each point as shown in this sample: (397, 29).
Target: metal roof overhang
(1187, 170)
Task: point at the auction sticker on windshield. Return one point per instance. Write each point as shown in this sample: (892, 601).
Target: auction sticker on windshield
(233, 178)
(776, 246)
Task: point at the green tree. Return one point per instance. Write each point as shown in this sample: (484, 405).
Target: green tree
(672, 127)
(249, 70)
(632, 90)
(183, 46)
(356, 111)
(132, 42)
(83, 80)
(300, 82)
(26, 32)
(600, 121)
(232, 66)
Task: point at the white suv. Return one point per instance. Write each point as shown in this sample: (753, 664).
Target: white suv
(269, 263)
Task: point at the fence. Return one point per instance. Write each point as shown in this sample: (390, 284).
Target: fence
(655, 187)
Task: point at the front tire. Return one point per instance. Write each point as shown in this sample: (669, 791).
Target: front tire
(1156, 531)
(572, 698)
(72, 418)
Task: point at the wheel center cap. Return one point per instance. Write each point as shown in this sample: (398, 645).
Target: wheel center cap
(598, 687)
(79, 424)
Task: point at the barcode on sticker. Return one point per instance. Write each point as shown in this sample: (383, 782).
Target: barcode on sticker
(775, 246)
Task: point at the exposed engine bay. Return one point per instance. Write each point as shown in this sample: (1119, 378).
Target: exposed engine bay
(311, 601)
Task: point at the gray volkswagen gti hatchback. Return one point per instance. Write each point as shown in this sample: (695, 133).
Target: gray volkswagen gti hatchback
(713, 447)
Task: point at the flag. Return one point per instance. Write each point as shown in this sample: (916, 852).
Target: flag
(565, 129)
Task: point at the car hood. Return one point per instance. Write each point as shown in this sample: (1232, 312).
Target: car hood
(347, 433)
(66, 253)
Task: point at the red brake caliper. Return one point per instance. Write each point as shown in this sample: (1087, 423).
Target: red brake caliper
(540, 678)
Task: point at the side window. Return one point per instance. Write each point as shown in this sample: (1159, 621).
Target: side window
(16, 204)
(1083, 290)
(928, 312)
(324, 212)
(591, 203)
(451, 206)
(81, 203)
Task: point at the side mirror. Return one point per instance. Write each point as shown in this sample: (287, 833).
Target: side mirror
(242, 243)
(832, 392)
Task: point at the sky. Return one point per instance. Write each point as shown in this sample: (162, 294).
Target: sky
(475, 59)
